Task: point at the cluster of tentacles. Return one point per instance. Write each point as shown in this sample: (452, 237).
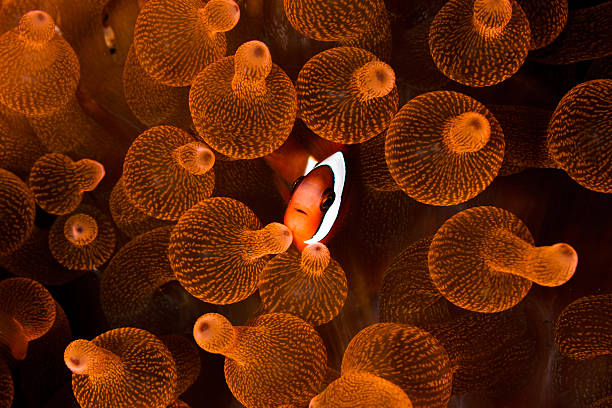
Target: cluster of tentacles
(151, 153)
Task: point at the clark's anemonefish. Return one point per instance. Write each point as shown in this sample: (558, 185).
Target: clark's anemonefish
(316, 199)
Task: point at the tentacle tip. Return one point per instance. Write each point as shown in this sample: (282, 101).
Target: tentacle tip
(213, 332)
(20, 353)
(282, 235)
(568, 259)
(76, 362)
(37, 26)
(315, 257)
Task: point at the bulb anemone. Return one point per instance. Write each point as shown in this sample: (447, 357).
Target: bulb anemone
(176, 39)
(407, 293)
(218, 249)
(361, 390)
(479, 42)
(412, 59)
(33, 260)
(12, 11)
(131, 299)
(275, 359)
(123, 367)
(19, 146)
(243, 106)
(129, 219)
(443, 148)
(586, 380)
(58, 182)
(583, 330)
(580, 134)
(7, 389)
(187, 360)
(546, 20)
(420, 366)
(585, 37)
(329, 21)
(152, 102)
(483, 259)
(374, 171)
(353, 23)
(166, 171)
(179, 404)
(39, 71)
(347, 95)
(68, 129)
(525, 129)
(384, 214)
(83, 240)
(376, 35)
(27, 312)
(487, 350)
(17, 210)
(310, 284)
(44, 360)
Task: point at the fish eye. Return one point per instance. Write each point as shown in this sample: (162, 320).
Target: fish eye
(328, 199)
(296, 183)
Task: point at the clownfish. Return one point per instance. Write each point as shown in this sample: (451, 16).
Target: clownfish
(315, 201)
(316, 191)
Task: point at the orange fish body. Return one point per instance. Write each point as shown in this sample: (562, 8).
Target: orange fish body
(316, 195)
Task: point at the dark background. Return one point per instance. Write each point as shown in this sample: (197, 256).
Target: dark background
(548, 201)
